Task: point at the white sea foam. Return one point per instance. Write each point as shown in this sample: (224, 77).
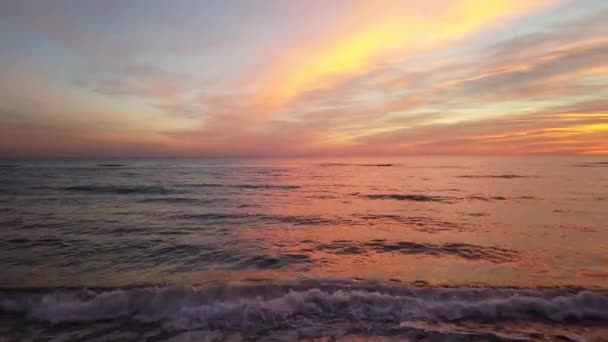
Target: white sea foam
(247, 307)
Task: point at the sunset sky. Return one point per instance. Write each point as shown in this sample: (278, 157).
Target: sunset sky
(303, 78)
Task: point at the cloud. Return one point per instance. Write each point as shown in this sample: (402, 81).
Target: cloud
(547, 74)
(136, 80)
(392, 32)
(553, 130)
(399, 108)
(463, 76)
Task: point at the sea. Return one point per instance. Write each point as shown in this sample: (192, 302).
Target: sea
(429, 248)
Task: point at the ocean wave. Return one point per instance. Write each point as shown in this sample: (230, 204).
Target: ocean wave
(425, 224)
(111, 165)
(485, 198)
(435, 198)
(140, 254)
(272, 306)
(592, 164)
(408, 197)
(202, 185)
(295, 220)
(369, 165)
(180, 200)
(242, 186)
(265, 186)
(118, 189)
(461, 250)
(506, 176)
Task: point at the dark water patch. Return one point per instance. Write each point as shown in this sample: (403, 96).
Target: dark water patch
(498, 198)
(306, 220)
(506, 176)
(38, 225)
(129, 231)
(202, 185)
(18, 241)
(8, 209)
(111, 165)
(295, 220)
(31, 242)
(379, 165)
(180, 200)
(192, 257)
(216, 216)
(592, 164)
(265, 186)
(273, 262)
(379, 217)
(313, 220)
(243, 186)
(579, 228)
(323, 197)
(173, 232)
(335, 164)
(134, 254)
(485, 198)
(461, 250)
(334, 185)
(365, 165)
(121, 190)
(181, 250)
(406, 197)
(341, 247)
(477, 214)
(425, 224)
(598, 275)
(249, 205)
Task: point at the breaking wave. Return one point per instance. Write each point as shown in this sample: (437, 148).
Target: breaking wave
(306, 303)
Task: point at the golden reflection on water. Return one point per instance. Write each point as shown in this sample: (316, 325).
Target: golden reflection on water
(554, 247)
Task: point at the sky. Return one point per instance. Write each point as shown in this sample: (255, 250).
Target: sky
(303, 78)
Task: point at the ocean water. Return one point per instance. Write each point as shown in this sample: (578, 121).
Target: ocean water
(419, 248)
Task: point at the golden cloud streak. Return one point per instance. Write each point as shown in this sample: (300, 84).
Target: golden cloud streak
(393, 32)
